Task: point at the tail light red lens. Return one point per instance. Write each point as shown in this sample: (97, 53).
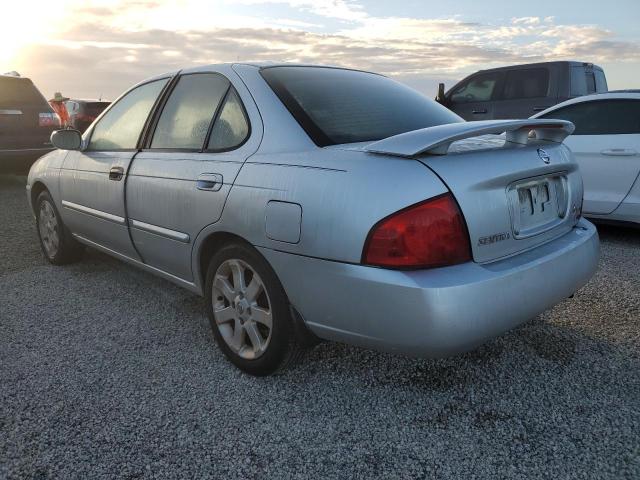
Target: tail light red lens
(426, 235)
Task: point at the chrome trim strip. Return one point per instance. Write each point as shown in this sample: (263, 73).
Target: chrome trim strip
(10, 112)
(93, 212)
(163, 232)
(43, 149)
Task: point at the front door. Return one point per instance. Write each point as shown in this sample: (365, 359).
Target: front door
(93, 180)
(179, 183)
(473, 99)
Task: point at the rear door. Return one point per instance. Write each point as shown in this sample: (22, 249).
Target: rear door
(526, 92)
(93, 180)
(606, 144)
(26, 119)
(473, 98)
(179, 183)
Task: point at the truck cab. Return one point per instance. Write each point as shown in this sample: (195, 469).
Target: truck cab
(521, 91)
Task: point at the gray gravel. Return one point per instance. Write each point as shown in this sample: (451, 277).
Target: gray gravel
(108, 372)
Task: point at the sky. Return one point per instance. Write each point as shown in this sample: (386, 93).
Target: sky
(92, 49)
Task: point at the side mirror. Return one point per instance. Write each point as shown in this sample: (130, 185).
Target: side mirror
(67, 139)
(440, 97)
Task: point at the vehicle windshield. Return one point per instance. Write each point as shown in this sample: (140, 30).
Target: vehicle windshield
(337, 106)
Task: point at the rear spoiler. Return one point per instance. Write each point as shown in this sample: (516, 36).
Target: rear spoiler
(437, 140)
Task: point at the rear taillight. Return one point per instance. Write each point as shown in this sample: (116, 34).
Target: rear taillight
(426, 235)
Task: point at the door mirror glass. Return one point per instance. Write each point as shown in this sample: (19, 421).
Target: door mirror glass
(67, 139)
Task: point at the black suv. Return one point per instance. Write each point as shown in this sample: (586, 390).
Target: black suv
(26, 123)
(520, 91)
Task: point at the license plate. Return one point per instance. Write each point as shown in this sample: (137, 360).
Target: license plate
(537, 205)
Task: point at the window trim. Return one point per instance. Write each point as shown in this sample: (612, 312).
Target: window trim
(144, 126)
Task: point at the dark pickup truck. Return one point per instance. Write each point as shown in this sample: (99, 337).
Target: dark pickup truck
(26, 123)
(522, 90)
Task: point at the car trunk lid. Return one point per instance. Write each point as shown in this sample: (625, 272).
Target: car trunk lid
(514, 191)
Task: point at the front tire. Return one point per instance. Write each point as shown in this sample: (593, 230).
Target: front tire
(57, 243)
(249, 312)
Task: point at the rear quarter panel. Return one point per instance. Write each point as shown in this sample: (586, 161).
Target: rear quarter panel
(342, 194)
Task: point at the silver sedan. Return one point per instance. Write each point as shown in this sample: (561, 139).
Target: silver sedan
(308, 203)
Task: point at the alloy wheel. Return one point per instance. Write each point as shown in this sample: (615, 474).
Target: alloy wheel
(242, 309)
(48, 228)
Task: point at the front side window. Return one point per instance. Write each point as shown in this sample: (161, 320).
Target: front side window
(602, 117)
(186, 117)
(121, 126)
(337, 106)
(479, 89)
(526, 83)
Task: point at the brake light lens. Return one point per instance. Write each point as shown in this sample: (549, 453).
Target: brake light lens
(426, 235)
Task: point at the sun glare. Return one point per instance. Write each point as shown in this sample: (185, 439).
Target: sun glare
(28, 22)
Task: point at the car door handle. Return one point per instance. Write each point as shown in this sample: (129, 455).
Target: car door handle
(539, 109)
(619, 152)
(476, 112)
(116, 173)
(209, 182)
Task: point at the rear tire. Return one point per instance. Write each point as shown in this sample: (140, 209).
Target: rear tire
(57, 243)
(249, 312)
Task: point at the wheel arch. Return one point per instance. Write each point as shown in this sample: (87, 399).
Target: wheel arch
(205, 249)
(36, 189)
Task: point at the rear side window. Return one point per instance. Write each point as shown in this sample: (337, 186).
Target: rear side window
(337, 106)
(480, 88)
(601, 81)
(186, 117)
(585, 81)
(121, 126)
(231, 127)
(19, 92)
(602, 117)
(526, 83)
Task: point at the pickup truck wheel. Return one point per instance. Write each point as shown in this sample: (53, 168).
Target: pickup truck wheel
(57, 243)
(249, 312)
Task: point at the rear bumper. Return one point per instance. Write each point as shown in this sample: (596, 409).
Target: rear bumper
(20, 160)
(438, 312)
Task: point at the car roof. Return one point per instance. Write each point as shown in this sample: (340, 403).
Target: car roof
(268, 64)
(572, 63)
(616, 95)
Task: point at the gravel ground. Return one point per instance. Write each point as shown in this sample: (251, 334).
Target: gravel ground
(109, 372)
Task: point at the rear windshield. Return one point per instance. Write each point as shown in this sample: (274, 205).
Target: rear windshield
(19, 93)
(337, 106)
